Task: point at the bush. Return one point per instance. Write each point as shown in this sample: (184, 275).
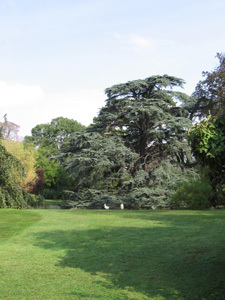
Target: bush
(193, 195)
(16, 197)
(52, 194)
(11, 193)
(220, 194)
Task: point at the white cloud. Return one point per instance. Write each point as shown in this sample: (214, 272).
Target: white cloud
(135, 42)
(117, 35)
(142, 43)
(18, 94)
(28, 106)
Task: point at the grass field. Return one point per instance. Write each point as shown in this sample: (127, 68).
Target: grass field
(93, 254)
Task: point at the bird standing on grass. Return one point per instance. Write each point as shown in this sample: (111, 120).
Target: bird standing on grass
(106, 207)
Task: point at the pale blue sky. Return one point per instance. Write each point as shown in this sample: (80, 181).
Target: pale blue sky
(58, 56)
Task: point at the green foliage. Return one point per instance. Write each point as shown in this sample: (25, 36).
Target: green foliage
(207, 140)
(54, 135)
(210, 92)
(99, 162)
(26, 154)
(91, 198)
(11, 194)
(38, 185)
(56, 177)
(145, 114)
(192, 195)
(48, 139)
(141, 131)
(52, 194)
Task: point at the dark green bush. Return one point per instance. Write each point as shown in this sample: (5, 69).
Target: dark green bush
(192, 195)
(220, 194)
(52, 194)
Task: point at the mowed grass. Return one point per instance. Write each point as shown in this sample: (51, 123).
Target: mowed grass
(97, 254)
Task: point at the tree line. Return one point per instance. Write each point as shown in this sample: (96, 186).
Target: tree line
(141, 150)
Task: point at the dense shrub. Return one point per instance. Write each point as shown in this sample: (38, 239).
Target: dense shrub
(52, 194)
(26, 155)
(38, 185)
(193, 195)
(11, 193)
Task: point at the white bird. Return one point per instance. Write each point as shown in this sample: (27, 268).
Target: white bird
(122, 206)
(106, 207)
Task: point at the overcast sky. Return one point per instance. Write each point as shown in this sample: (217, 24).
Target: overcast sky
(58, 56)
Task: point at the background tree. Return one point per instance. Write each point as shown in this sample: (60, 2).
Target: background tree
(207, 138)
(210, 92)
(54, 135)
(48, 139)
(9, 130)
(56, 178)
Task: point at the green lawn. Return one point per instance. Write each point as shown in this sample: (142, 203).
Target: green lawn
(98, 254)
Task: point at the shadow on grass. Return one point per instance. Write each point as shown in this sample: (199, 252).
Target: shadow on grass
(175, 259)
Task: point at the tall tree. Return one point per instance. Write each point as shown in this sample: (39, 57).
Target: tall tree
(143, 120)
(146, 115)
